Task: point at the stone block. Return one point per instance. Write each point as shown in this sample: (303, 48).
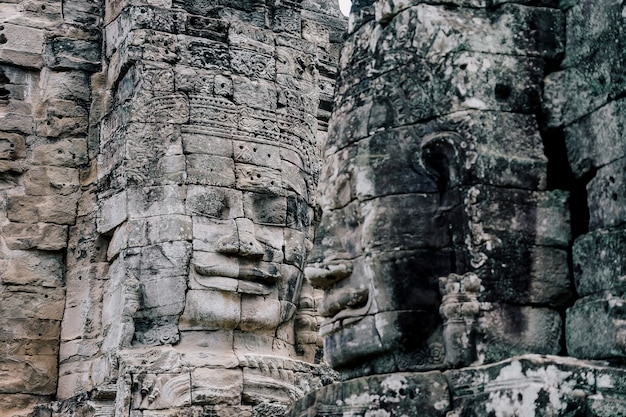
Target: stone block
(338, 236)
(75, 377)
(588, 28)
(22, 45)
(527, 384)
(64, 153)
(49, 209)
(259, 313)
(28, 374)
(594, 327)
(162, 391)
(206, 27)
(599, 262)
(515, 272)
(210, 170)
(21, 404)
(160, 107)
(198, 141)
(398, 220)
(162, 295)
(257, 154)
(57, 117)
(260, 179)
(505, 330)
(112, 212)
(41, 236)
(46, 303)
(82, 12)
(540, 218)
(256, 94)
(252, 64)
(578, 91)
(12, 146)
(156, 201)
(204, 53)
(86, 245)
(158, 229)
(46, 180)
(423, 394)
(597, 138)
(38, 269)
(606, 196)
(216, 386)
(66, 85)
(211, 310)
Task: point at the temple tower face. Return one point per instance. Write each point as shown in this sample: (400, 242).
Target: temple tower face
(208, 125)
(435, 166)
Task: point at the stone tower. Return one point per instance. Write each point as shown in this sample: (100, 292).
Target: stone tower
(159, 162)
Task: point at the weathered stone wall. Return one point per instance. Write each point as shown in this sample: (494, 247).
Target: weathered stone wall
(584, 100)
(48, 52)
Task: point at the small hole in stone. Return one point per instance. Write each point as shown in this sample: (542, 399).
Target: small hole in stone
(463, 66)
(45, 296)
(3, 39)
(258, 175)
(612, 180)
(520, 397)
(254, 149)
(43, 7)
(269, 156)
(502, 91)
(614, 196)
(240, 146)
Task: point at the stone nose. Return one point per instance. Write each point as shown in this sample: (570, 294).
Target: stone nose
(241, 241)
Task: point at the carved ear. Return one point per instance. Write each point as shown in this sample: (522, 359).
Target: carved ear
(440, 157)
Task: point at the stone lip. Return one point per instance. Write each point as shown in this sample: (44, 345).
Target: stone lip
(238, 278)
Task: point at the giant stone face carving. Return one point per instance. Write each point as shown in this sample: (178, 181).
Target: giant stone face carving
(380, 255)
(434, 168)
(240, 278)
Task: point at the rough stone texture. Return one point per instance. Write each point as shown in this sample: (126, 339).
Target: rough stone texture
(469, 145)
(435, 166)
(397, 394)
(44, 107)
(159, 161)
(528, 385)
(157, 165)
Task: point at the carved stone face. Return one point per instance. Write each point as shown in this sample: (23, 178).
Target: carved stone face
(380, 248)
(249, 244)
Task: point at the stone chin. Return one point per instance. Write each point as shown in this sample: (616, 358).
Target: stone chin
(387, 341)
